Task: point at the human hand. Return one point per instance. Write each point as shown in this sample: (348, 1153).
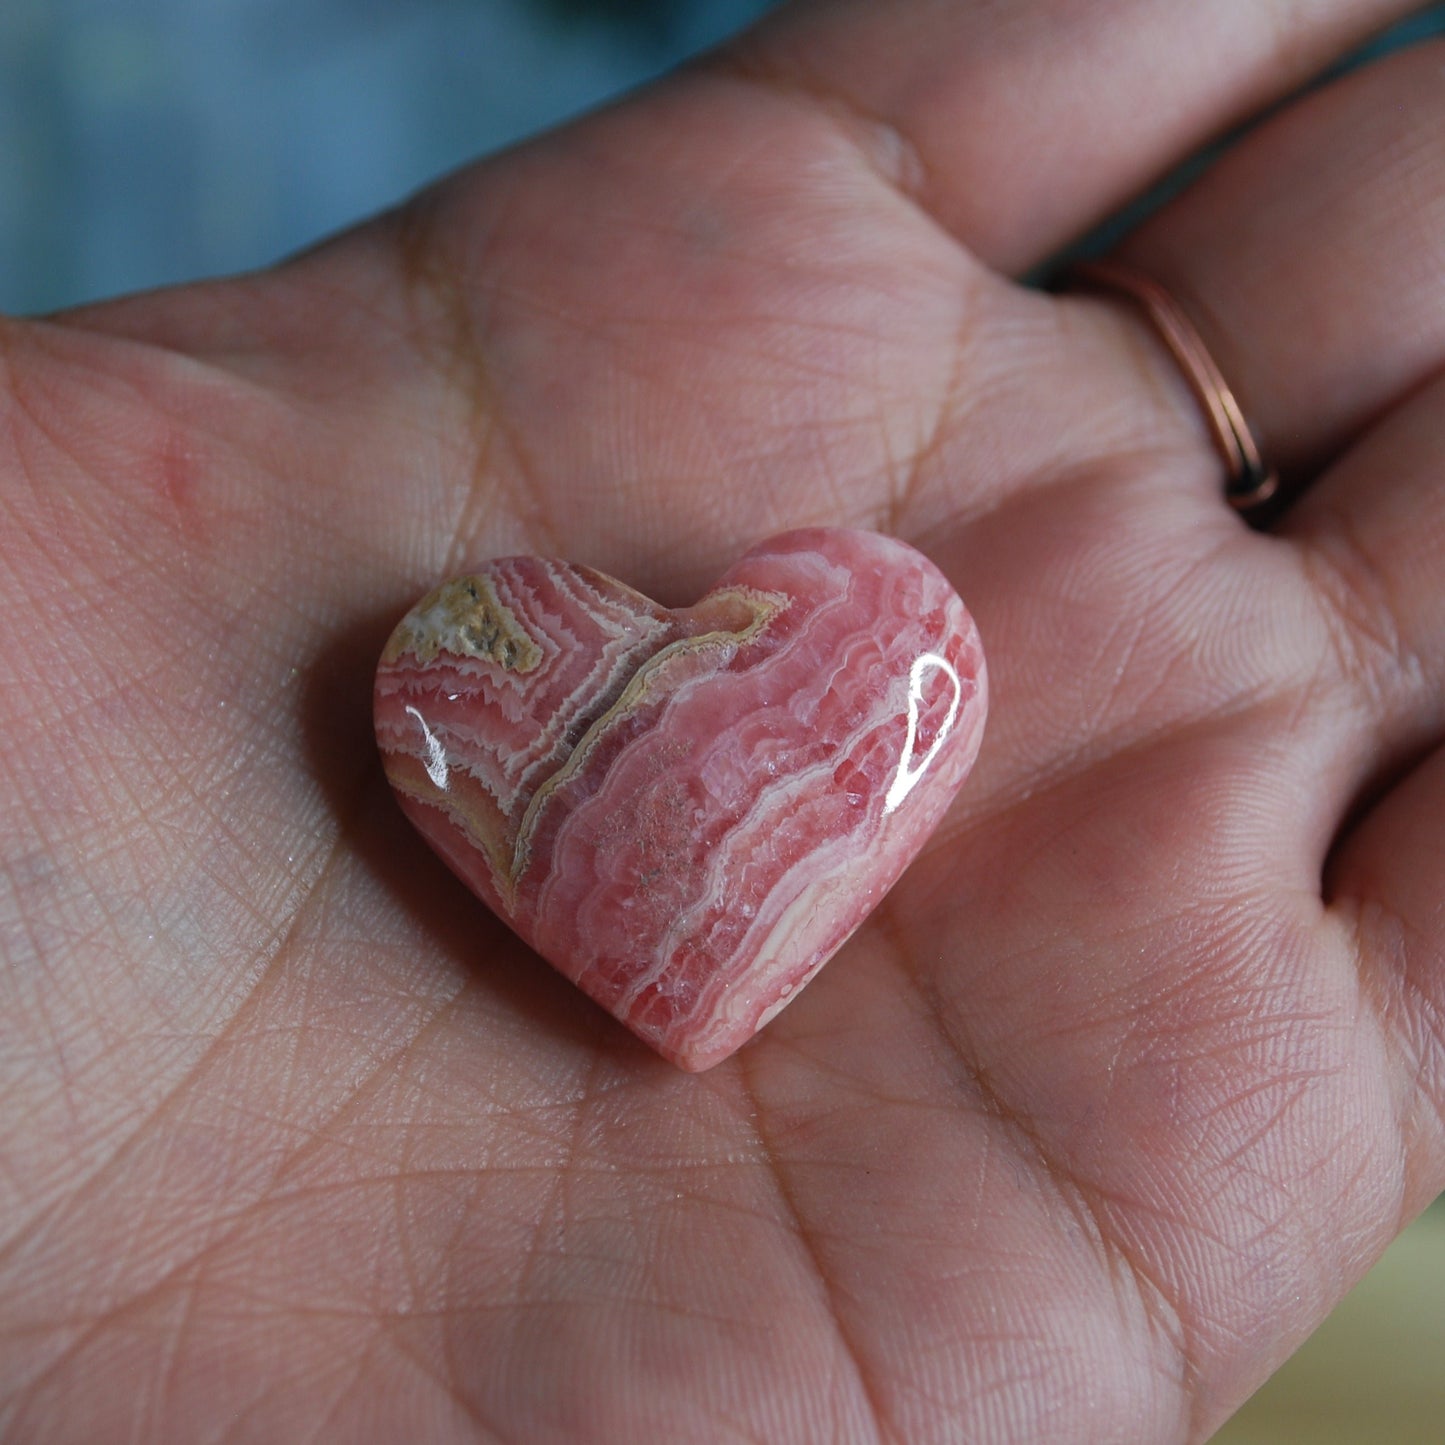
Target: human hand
(1139, 1067)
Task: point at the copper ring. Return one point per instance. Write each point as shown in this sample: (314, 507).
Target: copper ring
(1250, 482)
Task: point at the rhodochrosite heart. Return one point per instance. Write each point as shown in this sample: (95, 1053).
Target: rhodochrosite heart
(687, 812)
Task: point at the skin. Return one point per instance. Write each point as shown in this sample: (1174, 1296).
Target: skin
(1143, 1063)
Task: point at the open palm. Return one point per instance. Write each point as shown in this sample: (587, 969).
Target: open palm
(1143, 1061)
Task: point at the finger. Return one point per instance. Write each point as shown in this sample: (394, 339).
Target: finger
(1340, 634)
(1333, 300)
(1028, 122)
(1388, 882)
(1370, 536)
(1309, 258)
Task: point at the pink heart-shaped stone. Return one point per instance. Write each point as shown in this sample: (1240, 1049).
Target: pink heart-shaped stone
(687, 812)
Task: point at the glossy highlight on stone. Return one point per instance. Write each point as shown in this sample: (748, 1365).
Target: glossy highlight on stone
(687, 812)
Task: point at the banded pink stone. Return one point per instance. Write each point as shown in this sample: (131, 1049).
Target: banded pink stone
(687, 812)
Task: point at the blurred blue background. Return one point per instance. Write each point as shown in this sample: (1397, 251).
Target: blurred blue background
(144, 142)
(150, 141)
